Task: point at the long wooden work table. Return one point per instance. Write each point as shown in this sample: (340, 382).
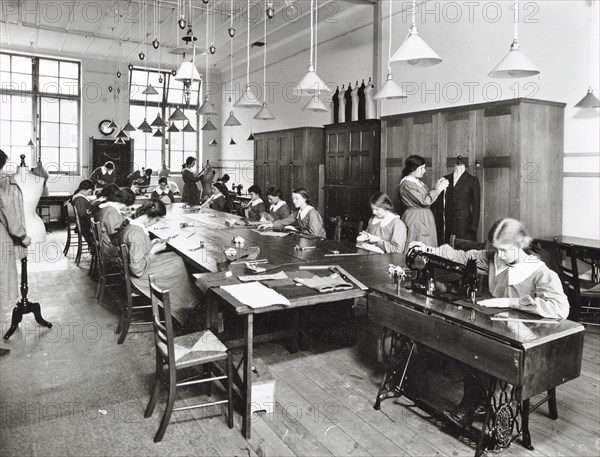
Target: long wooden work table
(525, 358)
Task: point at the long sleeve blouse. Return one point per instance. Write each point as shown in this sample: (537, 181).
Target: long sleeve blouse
(309, 220)
(392, 233)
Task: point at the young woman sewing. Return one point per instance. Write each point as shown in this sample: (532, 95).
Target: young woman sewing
(305, 217)
(81, 203)
(278, 208)
(146, 258)
(110, 219)
(217, 200)
(162, 192)
(515, 274)
(255, 208)
(385, 229)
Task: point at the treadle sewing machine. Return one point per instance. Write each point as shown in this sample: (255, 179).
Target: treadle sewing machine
(523, 359)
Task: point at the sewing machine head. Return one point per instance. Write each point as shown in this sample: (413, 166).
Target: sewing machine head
(442, 278)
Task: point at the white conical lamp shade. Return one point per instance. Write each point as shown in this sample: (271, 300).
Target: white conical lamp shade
(248, 99)
(315, 104)
(207, 108)
(390, 90)
(589, 101)
(515, 65)
(415, 51)
(232, 120)
(311, 84)
(187, 72)
(264, 114)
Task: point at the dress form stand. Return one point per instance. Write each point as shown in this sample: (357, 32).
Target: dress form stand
(361, 101)
(355, 102)
(31, 187)
(348, 97)
(336, 105)
(342, 108)
(370, 107)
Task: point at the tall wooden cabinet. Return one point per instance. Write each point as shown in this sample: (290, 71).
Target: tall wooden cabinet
(514, 147)
(352, 161)
(288, 159)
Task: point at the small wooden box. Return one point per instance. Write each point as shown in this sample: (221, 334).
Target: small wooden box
(263, 387)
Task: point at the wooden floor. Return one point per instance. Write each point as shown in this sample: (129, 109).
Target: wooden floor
(73, 391)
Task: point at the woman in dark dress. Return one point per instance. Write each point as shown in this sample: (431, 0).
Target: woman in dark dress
(191, 193)
(80, 201)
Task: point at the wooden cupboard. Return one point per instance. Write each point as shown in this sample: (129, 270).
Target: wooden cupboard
(352, 161)
(515, 148)
(288, 159)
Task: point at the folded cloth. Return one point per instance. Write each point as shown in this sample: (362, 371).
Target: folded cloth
(325, 283)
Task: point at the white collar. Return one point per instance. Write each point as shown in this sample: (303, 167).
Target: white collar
(115, 205)
(159, 191)
(278, 205)
(412, 178)
(386, 220)
(305, 211)
(106, 170)
(258, 201)
(139, 224)
(519, 272)
(214, 197)
(458, 172)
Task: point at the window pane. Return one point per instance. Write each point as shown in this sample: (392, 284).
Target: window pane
(5, 133)
(140, 141)
(68, 112)
(48, 85)
(5, 62)
(20, 133)
(21, 65)
(48, 67)
(21, 108)
(69, 70)
(153, 160)
(4, 79)
(177, 159)
(50, 158)
(50, 134)
(189, 141)
(21, 82)
(50, 109)
(69, 160)
(175, 96)
(68, 136)
(135, 92)
(138, 77)
(176, 141)
(69, 87)
(153, 142)
(136, 115)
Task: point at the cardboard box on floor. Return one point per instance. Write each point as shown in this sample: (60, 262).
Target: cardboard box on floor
(263, 387)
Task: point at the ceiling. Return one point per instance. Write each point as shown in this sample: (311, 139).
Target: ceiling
(120, 30)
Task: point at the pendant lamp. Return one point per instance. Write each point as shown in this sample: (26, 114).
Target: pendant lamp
(311, 84)
(390, 90)
(150, 90)
(173, 128)
(589, 100)
(208, 125)
(264, 113)
(206, 108)
(158, 122)
(128, 127)
(121, 134)
(232, 142)
(414, 50)
(315, 104)
(232, 120)
(178, 115)
(119, 141)
(250, 137)
(248, 99)
(188, 128)
(158, 133)
(213, 142)
(516, 64)
(113, 125)
(144, 126)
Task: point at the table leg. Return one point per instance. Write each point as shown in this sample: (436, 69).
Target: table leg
(247, 386)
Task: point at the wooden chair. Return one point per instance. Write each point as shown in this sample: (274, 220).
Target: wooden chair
(131, 295)
(108, 272)
(71, 233)
(581, 292)
(346, 230)
(82, 245)
(202, 349)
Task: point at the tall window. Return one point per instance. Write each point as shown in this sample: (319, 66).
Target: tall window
(151, 151)
(41, 99)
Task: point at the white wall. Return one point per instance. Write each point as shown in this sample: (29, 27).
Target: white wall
(471, 37)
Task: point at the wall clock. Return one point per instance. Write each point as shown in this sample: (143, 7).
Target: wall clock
(105, 128)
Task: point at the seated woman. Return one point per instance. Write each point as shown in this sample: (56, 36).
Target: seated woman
(217, 200)
(140, 179)
(147, 258)
(222, 183)
(305, 217)
(81, 203)
(110, 219)
(279, 208)
(385, 230)
(513, 273)
(255, 208)
(106, 193)
(162, 192)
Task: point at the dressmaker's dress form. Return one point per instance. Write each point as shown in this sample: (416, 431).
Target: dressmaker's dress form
(355, 102)
(348, 97)
(370, 107)
(361, 101)
(336, 105)
(342, 108)
(31, 187)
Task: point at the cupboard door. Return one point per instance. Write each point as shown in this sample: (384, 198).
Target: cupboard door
(423, 141)
(336, 142)
(359, 156)
(457, 139)
(395, 154)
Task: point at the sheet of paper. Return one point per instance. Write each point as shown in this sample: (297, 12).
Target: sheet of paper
(280, 275)
(370, 247)
(271, 233)
(495, 303)
(256, 295)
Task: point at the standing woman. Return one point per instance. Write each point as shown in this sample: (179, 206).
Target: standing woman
(146, 258)
(191, 193)
(417, 197)
(305, 217)
(385, 229)
(80, 201)
(104, 175)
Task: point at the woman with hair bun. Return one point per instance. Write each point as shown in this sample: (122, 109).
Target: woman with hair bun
(305, 217)
(146, 258)
(516, 274)
(385, 229)
(279, 208)
(110, 218)
(80, 201)
(191, 193)
(417, 198)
